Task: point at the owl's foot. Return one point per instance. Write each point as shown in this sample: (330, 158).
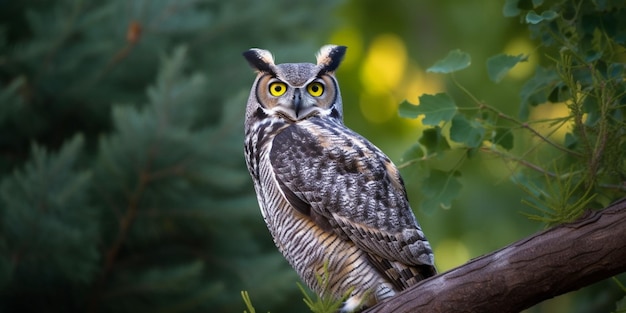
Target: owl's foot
(352, 305)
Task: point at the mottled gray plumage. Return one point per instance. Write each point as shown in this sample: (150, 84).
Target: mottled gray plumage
(329, 196)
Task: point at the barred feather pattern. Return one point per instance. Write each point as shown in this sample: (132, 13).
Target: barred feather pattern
(367, 235)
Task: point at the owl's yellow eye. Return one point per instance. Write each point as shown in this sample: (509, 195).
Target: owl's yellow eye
(315, 89)
(277, 89)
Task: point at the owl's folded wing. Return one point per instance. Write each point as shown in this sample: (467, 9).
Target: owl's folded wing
(347, 185)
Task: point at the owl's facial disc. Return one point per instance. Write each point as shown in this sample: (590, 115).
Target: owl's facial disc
(314, 97)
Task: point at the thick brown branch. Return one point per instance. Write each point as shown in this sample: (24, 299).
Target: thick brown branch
(547, 264)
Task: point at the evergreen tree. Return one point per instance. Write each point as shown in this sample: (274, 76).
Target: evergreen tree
(123, 186)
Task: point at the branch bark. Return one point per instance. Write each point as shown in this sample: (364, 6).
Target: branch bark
(547, 264)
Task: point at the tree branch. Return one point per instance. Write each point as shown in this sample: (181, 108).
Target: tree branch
(547, 264)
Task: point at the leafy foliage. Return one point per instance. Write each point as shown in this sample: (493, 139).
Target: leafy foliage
(583, 42)
(470, 133)
(440, 188)
(435, 108)
(456, 60)
(499, 65)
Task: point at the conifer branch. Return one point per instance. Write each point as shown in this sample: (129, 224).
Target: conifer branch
(125, 223)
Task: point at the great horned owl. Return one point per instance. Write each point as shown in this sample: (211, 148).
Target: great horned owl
(331, 199)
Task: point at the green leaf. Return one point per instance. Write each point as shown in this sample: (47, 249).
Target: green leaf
(570, 141)
(456, 60)
(594, 113)
(537, 89)
(436, 108)
(434, 141)
(470, 133)
(616, 71)
(408, 110)
(440, 189)
(510, 8)
(415, 152)
(504, 138)
(534, 18)
(537, 3)
(499, 65)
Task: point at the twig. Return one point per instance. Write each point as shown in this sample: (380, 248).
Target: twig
(525, 125)
(520, 161)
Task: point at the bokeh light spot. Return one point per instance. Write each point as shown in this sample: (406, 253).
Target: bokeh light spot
(450, 253)
(384, 64)
(378, 108)
(552, 111)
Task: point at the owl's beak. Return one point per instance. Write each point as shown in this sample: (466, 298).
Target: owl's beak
(297, 102)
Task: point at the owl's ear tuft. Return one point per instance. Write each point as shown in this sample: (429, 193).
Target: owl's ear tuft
(261, 60)
(329, 57)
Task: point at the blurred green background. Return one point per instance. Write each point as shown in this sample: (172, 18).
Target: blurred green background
(150, 208)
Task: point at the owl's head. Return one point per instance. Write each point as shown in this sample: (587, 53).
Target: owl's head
(296, 91)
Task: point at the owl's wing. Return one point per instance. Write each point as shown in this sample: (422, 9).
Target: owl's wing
(347, 185)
